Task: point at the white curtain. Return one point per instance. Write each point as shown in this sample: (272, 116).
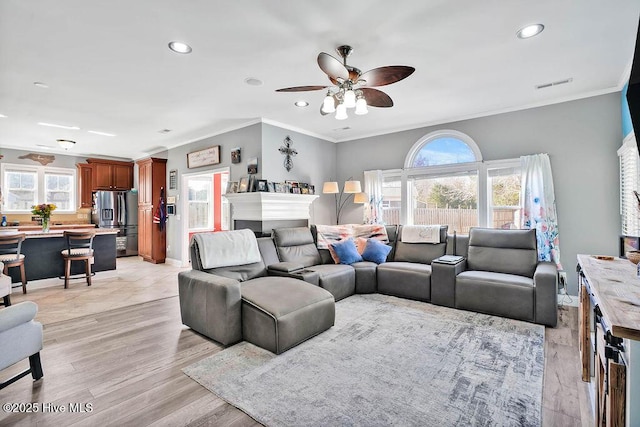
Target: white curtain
(373, 188)
(539, 205)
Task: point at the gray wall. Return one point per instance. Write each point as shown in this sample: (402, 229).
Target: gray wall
(314, 164)
(248, 139)
(581, 138)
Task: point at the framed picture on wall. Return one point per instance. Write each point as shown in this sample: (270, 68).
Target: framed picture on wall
(204, 157)
(252, 165)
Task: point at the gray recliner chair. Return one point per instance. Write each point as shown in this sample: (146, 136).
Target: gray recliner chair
(297, 247)
(21, 337)
(504, 277)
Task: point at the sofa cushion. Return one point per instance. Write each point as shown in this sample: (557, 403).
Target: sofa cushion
(279, 312)
(503, 251)
(500, 294)
(405, 279)
(339, 279)
(296, 244)
(376, 251)
(346, 251)
(420, 252)
(366, 277)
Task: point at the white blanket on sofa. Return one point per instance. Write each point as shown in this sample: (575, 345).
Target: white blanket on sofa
(421, 233)
(227, 248)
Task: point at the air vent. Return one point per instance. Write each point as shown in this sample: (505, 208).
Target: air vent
(559, 82)
(164, 131)
(341, 129)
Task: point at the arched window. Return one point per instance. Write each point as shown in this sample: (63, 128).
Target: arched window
(444, 147)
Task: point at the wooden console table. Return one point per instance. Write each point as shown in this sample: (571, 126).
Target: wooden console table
(609, 337)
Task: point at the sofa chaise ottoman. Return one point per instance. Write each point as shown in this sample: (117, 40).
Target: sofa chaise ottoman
(227, 296)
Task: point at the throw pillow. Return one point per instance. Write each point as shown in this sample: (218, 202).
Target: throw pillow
(346, 251)
(361, 244)
(376, 251)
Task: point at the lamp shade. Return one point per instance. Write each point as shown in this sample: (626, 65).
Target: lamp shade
(330, 187)
(361, 198)
(352, 187)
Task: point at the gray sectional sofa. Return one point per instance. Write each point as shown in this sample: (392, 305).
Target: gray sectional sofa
(499, 274)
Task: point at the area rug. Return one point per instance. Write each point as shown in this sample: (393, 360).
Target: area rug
(389, 361)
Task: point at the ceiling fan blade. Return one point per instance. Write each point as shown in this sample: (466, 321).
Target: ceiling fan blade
(301, 88)
(332, 67)
(386, 75)
(376, 98)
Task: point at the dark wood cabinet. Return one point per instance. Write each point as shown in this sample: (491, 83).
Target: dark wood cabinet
(111, 174)
(152, 177)
(85, 185)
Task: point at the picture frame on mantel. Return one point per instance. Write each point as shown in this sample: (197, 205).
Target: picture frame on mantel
(204, 157)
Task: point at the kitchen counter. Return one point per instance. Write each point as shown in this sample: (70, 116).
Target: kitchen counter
(43, 259)
(38, 233)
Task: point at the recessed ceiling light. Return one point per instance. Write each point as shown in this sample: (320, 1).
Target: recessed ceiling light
(179, 47)
(53, 125)
(302, 104)
(252, 81)
(42, 85)
(530, 31)
(2, 116)
(100, 133)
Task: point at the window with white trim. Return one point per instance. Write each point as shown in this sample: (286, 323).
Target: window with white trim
(24, 186)
(445, 181)
(629, 175)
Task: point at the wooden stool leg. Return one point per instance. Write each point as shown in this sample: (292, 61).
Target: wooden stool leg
(88, 268)
(7, 301)
(67, 272)
(23, 276)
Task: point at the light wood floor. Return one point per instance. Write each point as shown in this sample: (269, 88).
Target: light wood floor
(126, 362)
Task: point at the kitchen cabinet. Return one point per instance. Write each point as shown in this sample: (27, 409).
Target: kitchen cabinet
(111, 174)
(152, 178)
(85, 185)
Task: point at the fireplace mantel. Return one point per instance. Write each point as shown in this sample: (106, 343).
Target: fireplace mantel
(263, 206)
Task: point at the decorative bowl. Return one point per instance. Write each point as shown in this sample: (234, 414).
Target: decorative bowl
(633, 256)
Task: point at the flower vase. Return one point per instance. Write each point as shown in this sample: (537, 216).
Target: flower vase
(45, 224)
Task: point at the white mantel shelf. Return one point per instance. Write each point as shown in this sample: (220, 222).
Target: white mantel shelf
(263, 206)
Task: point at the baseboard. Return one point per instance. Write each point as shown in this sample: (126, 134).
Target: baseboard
(173, 262)
(567, 300)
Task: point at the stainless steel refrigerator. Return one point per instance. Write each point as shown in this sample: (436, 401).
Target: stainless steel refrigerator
(118, 209)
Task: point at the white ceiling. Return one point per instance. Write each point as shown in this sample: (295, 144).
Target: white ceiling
(109, 69)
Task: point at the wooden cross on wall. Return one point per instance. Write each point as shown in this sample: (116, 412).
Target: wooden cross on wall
(288, 152)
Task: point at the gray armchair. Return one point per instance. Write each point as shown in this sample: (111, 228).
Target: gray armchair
(21, 337)
(504, 277)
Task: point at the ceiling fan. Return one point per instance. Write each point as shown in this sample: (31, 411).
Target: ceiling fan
(351, 87)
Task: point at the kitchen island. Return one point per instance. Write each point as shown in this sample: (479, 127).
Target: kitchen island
(43, 259)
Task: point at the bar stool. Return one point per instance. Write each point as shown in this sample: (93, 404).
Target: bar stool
(79, 248)
(10, 248)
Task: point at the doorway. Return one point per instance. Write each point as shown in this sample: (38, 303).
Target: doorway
(204, 207)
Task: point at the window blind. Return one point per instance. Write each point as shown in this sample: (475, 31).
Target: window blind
(629, 170)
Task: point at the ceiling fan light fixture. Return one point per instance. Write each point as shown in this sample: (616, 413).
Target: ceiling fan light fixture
(341, 112)
(329, 104)
(361, 106)
(66, 143)
(349, 98)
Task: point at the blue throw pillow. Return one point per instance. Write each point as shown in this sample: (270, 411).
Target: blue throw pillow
(376, 251)
(346, 251)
